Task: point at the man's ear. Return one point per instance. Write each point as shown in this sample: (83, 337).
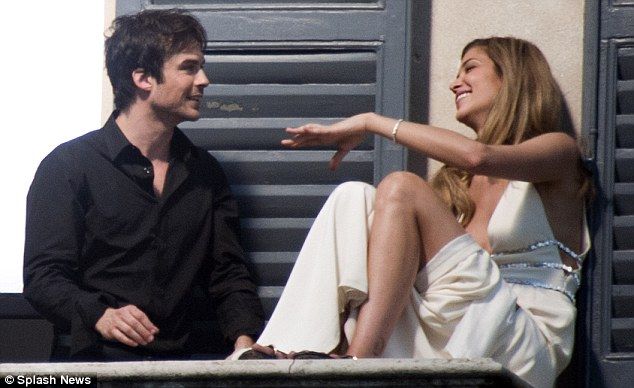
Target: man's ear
(142, 80)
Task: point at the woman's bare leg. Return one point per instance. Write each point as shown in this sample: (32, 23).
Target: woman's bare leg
(411, 224)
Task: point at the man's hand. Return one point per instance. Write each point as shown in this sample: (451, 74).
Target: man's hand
(244, 341)
(127, 325)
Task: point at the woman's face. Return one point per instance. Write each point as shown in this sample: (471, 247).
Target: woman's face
(475, 88)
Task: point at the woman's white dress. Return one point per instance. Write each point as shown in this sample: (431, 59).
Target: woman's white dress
(515, 305)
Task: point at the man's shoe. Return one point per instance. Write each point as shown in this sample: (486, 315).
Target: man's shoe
(255, 355)
(310, 355)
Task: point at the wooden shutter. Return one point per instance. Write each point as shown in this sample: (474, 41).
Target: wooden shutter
(623, 260)
(611, 355)
(274, 64)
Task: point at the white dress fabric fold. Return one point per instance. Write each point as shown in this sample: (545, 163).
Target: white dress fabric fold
(461, 305)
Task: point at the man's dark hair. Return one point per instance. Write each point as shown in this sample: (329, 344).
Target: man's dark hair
(145, 41)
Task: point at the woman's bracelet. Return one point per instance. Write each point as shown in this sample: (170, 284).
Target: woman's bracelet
(395, 129)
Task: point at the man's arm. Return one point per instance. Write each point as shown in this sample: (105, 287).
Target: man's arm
(53, 242)
(231, 287)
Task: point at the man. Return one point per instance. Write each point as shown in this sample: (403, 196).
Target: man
(124, 222)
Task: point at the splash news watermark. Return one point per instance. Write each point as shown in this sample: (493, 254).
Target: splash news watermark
(33, 380)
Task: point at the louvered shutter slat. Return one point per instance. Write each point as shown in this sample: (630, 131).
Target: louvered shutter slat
(260, 133)
(622, 339)
(622, 290)
(625, 95)
(272, 268)
(625, 130)
(289, 67)
(268, 3)
(623, 295)
(295, 201)
(624, 198)
(623, 265)
(269, 295)
(294, 167)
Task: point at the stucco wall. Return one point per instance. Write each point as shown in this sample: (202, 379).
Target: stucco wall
(107, 99)
(554, 26)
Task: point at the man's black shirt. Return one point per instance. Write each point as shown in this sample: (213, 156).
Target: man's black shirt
(98, 237)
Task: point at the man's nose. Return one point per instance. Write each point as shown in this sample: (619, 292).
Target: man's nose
(202, 79)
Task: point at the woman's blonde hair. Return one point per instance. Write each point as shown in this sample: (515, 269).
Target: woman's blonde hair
(529, 103)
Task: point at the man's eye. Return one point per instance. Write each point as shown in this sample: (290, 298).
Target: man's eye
(193, 68)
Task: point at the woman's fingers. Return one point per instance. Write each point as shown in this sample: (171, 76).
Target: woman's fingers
(337, 158)
(302, 141)
(308, 128)
(311, 135)
(340, 134)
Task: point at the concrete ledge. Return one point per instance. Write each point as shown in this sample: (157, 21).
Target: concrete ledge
(278, 373)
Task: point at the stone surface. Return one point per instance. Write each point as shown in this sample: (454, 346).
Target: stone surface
(342, 373)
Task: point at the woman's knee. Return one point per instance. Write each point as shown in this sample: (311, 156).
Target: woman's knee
(402, 188)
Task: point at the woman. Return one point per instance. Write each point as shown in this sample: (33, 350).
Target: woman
(479, 263)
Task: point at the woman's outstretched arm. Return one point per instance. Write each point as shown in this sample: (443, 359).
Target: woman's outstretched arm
(548, 157)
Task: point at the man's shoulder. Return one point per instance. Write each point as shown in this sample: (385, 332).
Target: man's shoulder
(74, 150)
(82, 142)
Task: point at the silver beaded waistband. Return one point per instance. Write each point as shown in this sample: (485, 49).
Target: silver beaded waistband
(554, 276)
(543, 244)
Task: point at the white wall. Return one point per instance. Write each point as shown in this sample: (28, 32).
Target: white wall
(51, 91)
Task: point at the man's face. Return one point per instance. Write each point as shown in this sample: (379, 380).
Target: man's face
(178, 97)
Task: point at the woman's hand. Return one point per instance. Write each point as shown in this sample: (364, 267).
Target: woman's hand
(346, 135)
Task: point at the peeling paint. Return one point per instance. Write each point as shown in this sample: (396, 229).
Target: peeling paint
(225, 107)
(231, 107)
